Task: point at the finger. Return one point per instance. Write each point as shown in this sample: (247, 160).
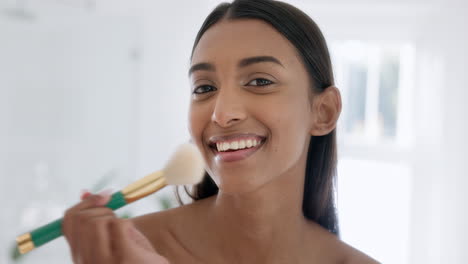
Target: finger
(117, 230)
(86, 226)
(92, 200)
(127, 238)
(84, 194)
(89, 201)
(68, 221)
(98, 245)
(76, 226)
(70, 225)
(140, 239)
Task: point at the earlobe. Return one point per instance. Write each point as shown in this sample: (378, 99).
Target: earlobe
(326, 109)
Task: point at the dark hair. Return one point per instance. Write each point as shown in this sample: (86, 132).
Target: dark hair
(318, 202)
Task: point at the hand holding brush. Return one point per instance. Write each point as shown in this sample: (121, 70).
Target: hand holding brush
(185, 167)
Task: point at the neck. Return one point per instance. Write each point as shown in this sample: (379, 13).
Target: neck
(265, 221)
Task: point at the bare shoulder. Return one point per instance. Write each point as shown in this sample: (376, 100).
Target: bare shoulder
(328, 248)
(154, 224)
(352, 255)
(157, 222)
(165, 229)
(155, 227)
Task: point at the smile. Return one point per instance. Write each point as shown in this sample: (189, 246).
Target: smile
(235, 145)
(236, 148)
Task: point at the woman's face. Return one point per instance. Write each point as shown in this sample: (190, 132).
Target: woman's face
(249, 87)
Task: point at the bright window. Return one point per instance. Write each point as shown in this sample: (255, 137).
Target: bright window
(374, 134)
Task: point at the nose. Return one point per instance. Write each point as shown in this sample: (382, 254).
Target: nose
(229, 109)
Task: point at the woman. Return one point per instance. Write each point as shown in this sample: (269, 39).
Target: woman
(263, 114)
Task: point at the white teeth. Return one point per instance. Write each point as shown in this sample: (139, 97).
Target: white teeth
(225, 146)
(235, 145)
(242, 144)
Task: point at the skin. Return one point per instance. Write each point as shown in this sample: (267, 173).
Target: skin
(257, 215)
(96, 235)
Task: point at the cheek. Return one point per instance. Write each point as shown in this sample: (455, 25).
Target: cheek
(199, 118)
(196, 124)
(290, 127)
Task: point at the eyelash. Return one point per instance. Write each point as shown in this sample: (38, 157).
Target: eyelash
(257, 79)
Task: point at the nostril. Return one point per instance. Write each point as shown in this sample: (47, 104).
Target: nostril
(226, 123)
(226, 115)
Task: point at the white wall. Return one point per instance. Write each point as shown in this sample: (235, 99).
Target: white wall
(439, 220)
(67, 89)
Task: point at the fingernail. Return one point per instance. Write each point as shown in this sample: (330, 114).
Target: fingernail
(84, 193)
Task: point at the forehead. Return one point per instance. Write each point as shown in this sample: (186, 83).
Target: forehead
(232, 40)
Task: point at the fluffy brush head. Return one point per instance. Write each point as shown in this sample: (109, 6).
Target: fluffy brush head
(185, 167)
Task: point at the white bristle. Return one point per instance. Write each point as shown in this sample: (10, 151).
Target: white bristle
(185, 167)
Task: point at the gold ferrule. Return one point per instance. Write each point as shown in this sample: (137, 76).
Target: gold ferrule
(25, 243)
(144, 187)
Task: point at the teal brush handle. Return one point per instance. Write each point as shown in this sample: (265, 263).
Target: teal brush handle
(51, 231)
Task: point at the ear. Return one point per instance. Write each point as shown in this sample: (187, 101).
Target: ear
(326, 108)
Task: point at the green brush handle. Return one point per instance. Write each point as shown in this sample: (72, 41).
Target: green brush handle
(51, 231)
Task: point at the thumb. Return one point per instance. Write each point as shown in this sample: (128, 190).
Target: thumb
(139, 239)
(128, 237)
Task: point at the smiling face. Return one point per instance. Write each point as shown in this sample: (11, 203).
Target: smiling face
(250, 111)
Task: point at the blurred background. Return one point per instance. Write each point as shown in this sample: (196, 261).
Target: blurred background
(94, 94)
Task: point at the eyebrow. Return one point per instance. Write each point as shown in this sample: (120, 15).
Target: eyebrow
(205, 66)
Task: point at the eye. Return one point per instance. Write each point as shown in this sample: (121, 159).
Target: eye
(260, 82)
(204, 89)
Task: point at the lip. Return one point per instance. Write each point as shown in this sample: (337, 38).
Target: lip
(231, 156)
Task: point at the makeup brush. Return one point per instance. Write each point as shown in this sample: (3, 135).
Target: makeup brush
(185, 167)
